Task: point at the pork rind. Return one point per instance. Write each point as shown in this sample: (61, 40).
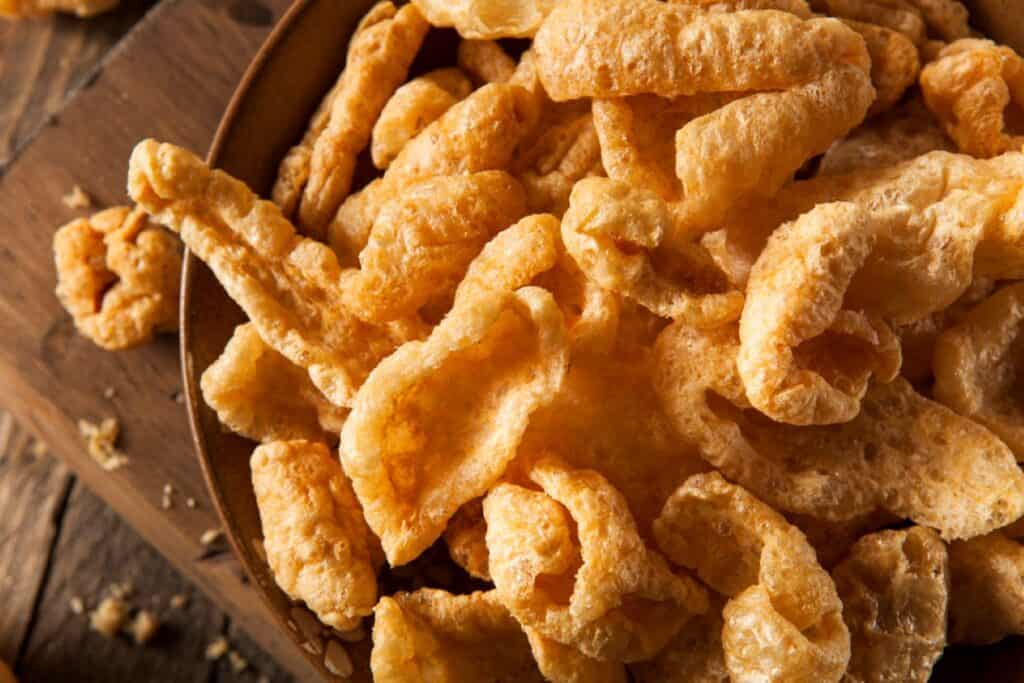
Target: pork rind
(431, 636)
(618, 236)
(568, 563)
(803, 358)
(986, 602)
(946, 19)
(565, 153)
(413, 457)
(895, 592)
(488, 19)
(565, 664)
(969, 87)
(797, 7)
(695, 655)
(977, 365)
(316, 541)
(902, 453)
(413, 107)
(485, 61)
(480, 133)
(287, 285)
(614, 48)
(466, 539)
(261, 395)
(379, 56)
(784, 620)
(424, 240)
(118, 276)
(895, 15)
(33, 8)
(832, 540)
(894, 63)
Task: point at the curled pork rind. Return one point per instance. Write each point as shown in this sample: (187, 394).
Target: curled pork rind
(903, 453)
(895, 63)
(803, 358)
(289, 286)
(317, 544)
(986, 602)
(978, 366)
(34, 8)
(413, 107)
(617, 235)
(614, 48)
(260, 394)
(969, 86)
(118, 276)
(485, 61)
(488, 19)
(895, 592)
(569, 563)
(695, 655)
(414, 458)
(424, 240)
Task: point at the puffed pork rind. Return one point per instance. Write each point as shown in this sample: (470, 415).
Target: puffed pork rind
(968, 87)
(118, 275)
(569, 563)
(797, 7)
(424, 240)
(784, 619)
(260, 394)
(488, 19)
(317, 544)
(413, 455)
(986, 602)
(619, 236)
(289, 286)
(903, 453)
(895, 63)
(946, 19)
(615, 48)
(895, 15)
(413, 107)
(565, 664)
(979, 366)
(803, 358)
(485, 61)
(894, 586)
(695, 655)
(566, 152)
(19, 9)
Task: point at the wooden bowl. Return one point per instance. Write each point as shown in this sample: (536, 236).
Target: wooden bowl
(270, 109)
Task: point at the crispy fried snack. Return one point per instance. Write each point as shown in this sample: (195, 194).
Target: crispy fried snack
(946, 19)
(784, 620)
(565, 664)
(832, 540)
(803, 358)
(317, 544)
(480, 133)
(118, 276)
(260, 394)
(288, 285)
(797, 7)
(424, 239)
(986, 602)
(488, 19)
(618, 235)
(568, 562)
(512, 259)
(902, 453)
(379, 56)
(485, 61)
(564, 154)
(978, 365)
(895, 589)
(18, 9)
(466, 539)
(413, 459)
(413, 107)
(695, 655)
(895, 15)
(969, 87)
(894, 63)
(592, 314)
(614, 48)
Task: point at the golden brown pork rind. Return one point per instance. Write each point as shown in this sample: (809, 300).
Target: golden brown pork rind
(379, 56)
(316, 541)
(895, 15)
(414, 458)
(803, 358)
(978, 365)
(614, 48)
(289, 286)
(895, 591)
(488, 19)
(424, 239)
(784, 619)
(569, 563)
(17, 9)
(260, 394)
(566, 152)
(565, 664)
(969, 86)
(986, 602)
(695, 655)
(797, 7)
(895, 63)
(945, 19)
(903, 453)
(485, 61)
(466, 538)
(620, 237)
(832, 540)
(118, 276)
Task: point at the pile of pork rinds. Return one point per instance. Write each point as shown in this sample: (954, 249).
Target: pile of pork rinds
(691, 331)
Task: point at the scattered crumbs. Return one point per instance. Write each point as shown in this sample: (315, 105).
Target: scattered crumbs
(39, 449)
(179, 601)
(211, 536)
(191, 504)
(178, 397)
(336, 660)
(217, 648)
(144, 626)
(77, 605)
(109, 393)
(100, 440)
(109, 616)
(237, 661)
(77, 198)
(352, 636)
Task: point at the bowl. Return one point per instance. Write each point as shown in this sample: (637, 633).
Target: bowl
(268, 113)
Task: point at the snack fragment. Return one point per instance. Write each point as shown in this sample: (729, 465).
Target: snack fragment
(487, 19)
(565, 153)
(895, 15)
(17, 9)
(317, 544)
(894, 586)
(986, 601)
(101, 442)
(783, 621)
(118, 276)
(109, 616)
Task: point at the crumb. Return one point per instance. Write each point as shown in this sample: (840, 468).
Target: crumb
(217, 648)
(39, 449)
(191, 504)
(168, 489)
(178, 397)
(166, 503)
(77, 198)
(353, 635)
(211, 536)
(121, 590)
(238, 662)
(109, 616)
(179, 601)
(109, 393)
(337, 661)
(100, 440)
(77, 605)
(144, 627)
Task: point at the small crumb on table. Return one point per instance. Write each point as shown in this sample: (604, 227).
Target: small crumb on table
(217, 649)
(100, 440)
(144, 627)
(211, 536)
(77, 198)
(109, 616)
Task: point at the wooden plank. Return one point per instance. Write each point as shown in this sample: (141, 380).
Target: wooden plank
(170, 79)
